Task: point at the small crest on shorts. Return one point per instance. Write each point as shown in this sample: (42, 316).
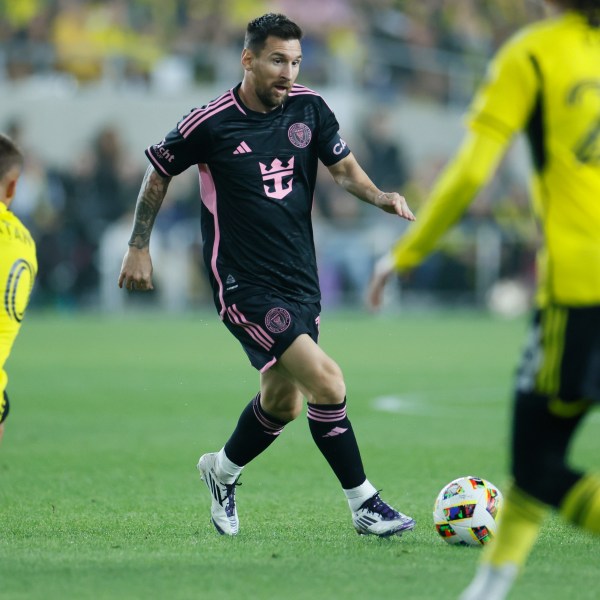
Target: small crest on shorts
(278, 320)
(300, 135)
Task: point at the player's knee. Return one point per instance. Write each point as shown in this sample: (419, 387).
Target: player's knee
(329, 386)
(284, 407)
(289, 412)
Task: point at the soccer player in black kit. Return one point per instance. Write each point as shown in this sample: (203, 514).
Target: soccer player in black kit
(257, 149)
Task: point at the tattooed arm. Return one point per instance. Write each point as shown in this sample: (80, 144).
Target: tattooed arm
(136, 271)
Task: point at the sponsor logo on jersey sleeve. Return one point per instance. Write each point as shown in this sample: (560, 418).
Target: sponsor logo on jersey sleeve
(339, 147)
(164, 152)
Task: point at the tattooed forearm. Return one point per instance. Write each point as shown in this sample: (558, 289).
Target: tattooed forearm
(152, 192)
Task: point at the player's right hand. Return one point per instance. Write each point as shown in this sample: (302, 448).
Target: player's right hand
(136, 270)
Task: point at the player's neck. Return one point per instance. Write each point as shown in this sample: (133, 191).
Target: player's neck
(250, 99)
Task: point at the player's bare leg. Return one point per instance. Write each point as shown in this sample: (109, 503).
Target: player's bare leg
(320, 379)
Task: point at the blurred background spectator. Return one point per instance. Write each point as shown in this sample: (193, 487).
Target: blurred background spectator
(80, 79)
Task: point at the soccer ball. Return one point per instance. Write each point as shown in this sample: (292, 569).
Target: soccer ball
(466, 510)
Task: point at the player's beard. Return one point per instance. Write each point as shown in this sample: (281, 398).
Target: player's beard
(269, 97)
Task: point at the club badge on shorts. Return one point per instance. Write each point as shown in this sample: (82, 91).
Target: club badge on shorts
(278, 320)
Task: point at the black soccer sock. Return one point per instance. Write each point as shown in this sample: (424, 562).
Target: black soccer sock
(540, 442)
(255, 432)
(333, 434)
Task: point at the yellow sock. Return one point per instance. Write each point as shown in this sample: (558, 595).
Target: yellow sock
(519, 523)
(581, 505)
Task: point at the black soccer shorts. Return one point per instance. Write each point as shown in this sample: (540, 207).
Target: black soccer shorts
(266, 325)
(562, 355)
(4, 407)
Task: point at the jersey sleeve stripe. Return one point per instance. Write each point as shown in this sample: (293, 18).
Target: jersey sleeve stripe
(212, 104)
(155, 162)
(300, 90)
(200, 118)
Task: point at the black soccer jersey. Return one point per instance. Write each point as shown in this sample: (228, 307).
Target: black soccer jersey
(257, 179)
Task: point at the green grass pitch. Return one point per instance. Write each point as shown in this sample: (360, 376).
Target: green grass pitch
(100, 497)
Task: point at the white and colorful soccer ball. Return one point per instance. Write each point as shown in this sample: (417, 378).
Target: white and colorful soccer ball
(466, 510)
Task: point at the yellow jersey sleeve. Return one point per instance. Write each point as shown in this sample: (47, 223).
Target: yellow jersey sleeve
(18, 268)
(503, 103)
(545, 82)
(459, 183)
(499, 109)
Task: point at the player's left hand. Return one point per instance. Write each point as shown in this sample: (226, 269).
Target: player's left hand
(382, 272)
(394, 203)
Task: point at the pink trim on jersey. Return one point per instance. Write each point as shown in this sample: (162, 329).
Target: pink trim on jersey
(209, 199)
(210, 110)
(256, 331)
(155, 162)
(236, 102)
(212, 104)
(299, 90)
(189, 128)
(268, 365)
(326, 416)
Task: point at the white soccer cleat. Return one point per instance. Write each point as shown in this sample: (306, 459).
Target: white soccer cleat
(375, 517)
(223, 510)
(491, 583)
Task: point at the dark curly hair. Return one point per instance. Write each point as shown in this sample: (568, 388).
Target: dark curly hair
(273, 24)
(10, 155)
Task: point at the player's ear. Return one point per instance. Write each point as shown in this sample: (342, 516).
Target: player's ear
(247, 59)
(11, 188)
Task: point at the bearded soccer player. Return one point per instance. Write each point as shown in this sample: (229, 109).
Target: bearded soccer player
(18, 263)
(257, 148)
(546, 82)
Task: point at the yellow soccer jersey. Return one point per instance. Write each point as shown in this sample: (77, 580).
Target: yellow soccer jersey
(18, 267)
(545, 82)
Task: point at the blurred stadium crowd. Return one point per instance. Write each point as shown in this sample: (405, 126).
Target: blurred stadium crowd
(430, 51)
(376, 42)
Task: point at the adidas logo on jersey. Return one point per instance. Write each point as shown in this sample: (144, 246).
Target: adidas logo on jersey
(231, 283)
(243, 148)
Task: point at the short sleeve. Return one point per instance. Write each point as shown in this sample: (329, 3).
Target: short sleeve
(504, 102)
(178, 151)
(332, 148)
